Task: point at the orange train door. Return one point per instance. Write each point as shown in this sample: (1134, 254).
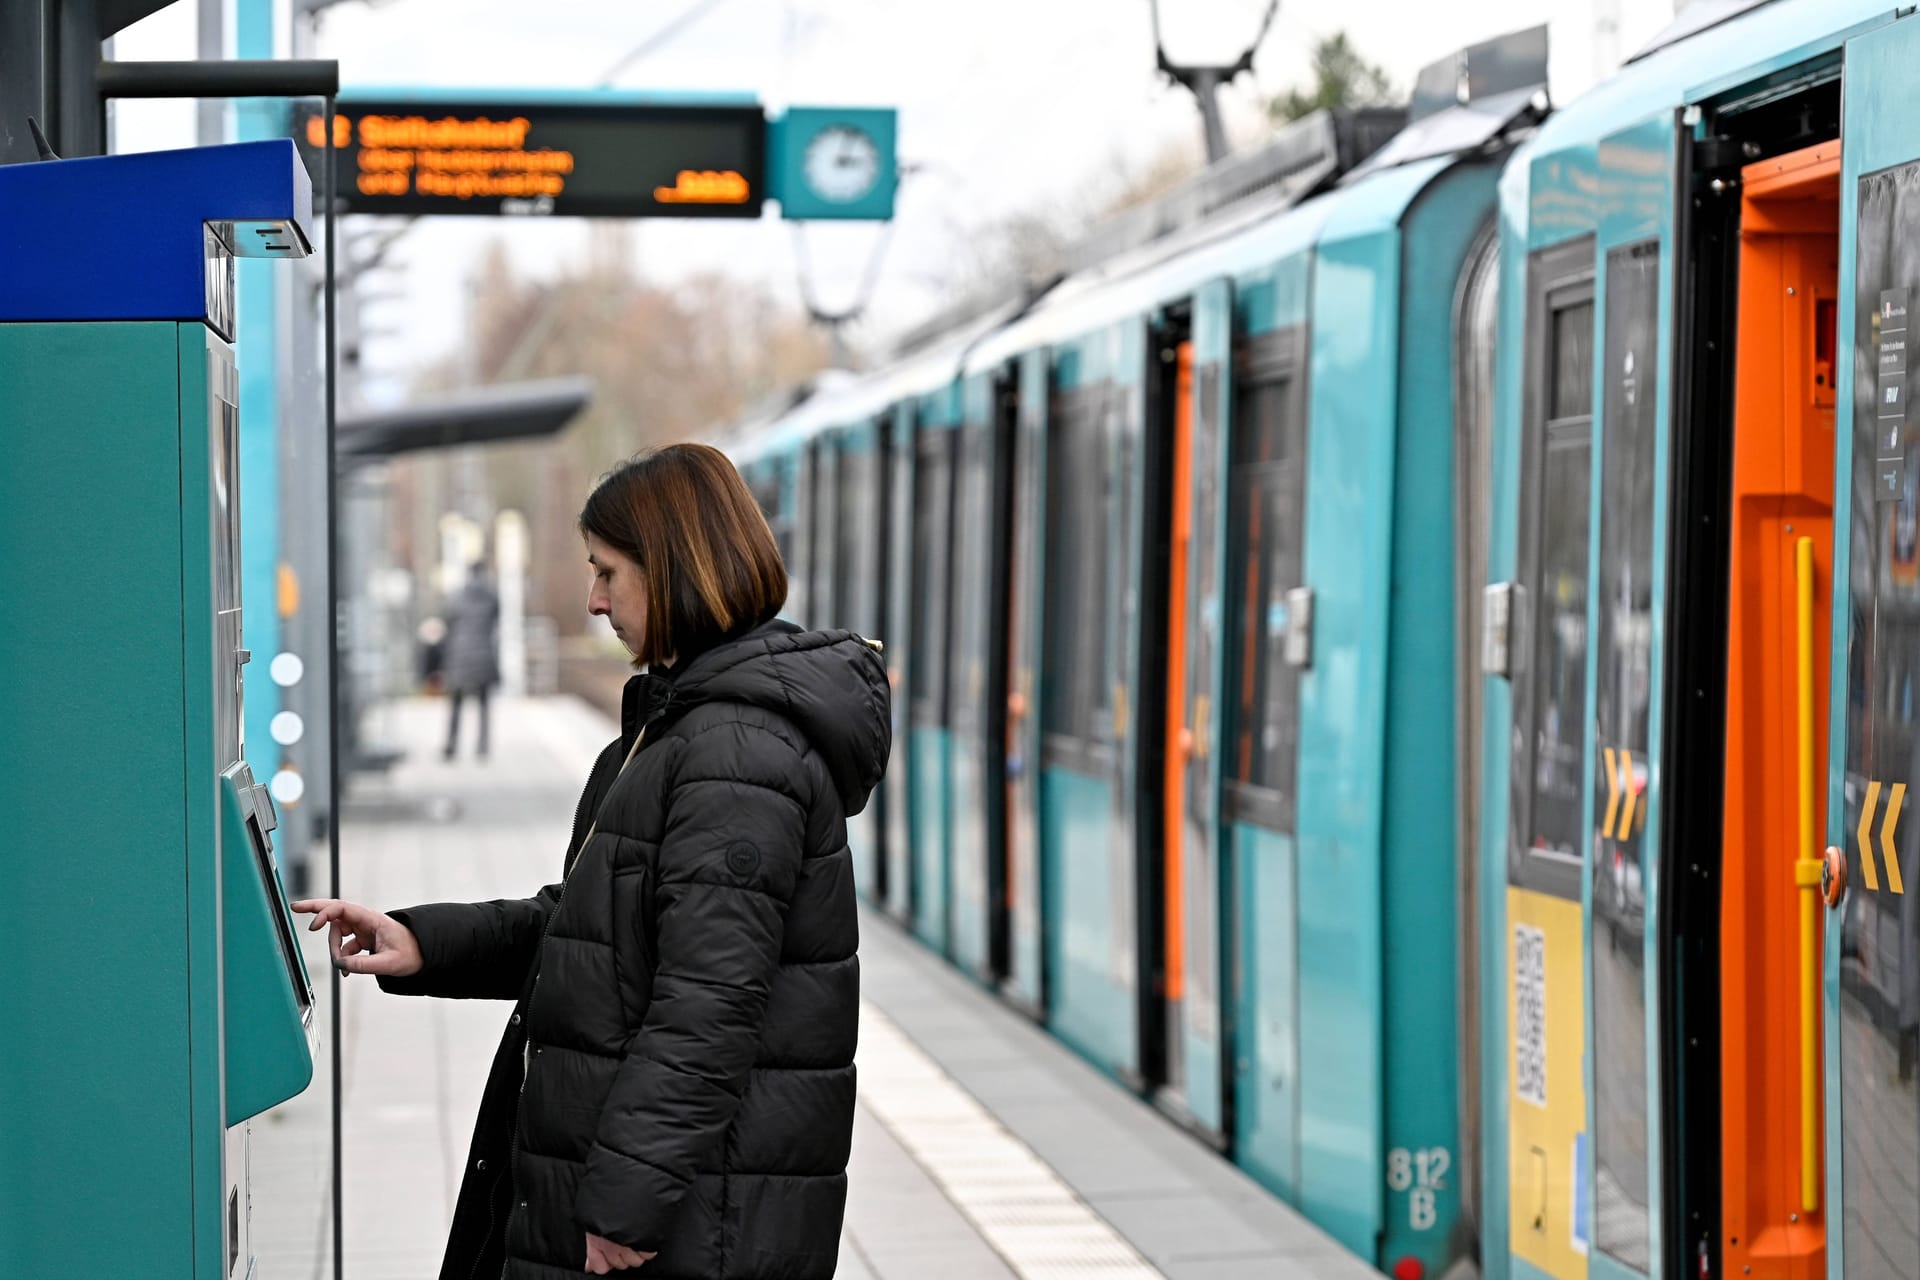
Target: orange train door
(1179, 744)
(1770, 952)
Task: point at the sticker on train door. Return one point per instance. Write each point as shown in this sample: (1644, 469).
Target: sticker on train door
(1530, 1020)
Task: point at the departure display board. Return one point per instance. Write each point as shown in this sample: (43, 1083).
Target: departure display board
(609, 160)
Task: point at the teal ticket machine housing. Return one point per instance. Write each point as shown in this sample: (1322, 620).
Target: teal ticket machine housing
(152, 991)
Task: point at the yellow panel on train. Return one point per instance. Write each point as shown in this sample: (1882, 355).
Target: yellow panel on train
(1546, 1009)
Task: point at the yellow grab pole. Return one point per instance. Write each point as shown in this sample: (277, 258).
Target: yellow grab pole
(1807, 876)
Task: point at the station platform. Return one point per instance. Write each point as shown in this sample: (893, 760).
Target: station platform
(983, 1149)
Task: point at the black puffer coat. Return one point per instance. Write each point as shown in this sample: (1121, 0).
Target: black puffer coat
(688, 998)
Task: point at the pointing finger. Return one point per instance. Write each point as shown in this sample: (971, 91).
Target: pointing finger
(380, 964)
(323, 914)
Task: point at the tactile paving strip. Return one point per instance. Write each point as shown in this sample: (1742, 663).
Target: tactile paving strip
(1029, 1216)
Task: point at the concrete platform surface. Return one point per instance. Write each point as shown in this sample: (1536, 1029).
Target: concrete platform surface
(983, 1149)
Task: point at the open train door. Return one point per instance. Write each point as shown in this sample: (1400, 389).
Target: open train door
(977, 685)
(1194, 971)
(1873, 956)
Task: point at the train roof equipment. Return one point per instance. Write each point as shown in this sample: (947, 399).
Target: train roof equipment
(1264, 204)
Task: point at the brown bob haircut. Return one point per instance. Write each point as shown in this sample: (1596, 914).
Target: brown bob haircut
(711, 567)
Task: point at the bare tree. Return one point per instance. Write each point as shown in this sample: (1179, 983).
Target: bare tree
(668, 362)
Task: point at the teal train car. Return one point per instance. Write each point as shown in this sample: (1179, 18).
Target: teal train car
(1172, 545)
(1425, 640)
(824, 498)
(857, 481)
(1698, 697)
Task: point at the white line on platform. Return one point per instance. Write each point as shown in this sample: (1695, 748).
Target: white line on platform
(1030, 1217)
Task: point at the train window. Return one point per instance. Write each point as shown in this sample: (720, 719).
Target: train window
(852, 581)
(802, 551)
(756, 476)
(1560, 651)
(972, 525)
(932, 552)
(1267, 527)
(1572, 386)
(901, 538)
(824, 606)
(1623, 648)
(1879, 949)
(764, 480)
(1079, 643)
(1551, 702)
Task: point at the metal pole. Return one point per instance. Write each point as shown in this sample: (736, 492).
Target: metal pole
(1205, 83)
(333, 684)
(210, 44)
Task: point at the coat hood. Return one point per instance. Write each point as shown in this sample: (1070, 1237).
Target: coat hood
(831, 684)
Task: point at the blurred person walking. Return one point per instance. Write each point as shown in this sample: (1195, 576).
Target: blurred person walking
(471, 662)
(675, 1087)
(433, 655)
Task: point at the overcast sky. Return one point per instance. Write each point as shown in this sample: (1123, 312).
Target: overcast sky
(1004, 105)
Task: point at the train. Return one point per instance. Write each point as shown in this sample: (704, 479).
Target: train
(1404, 653)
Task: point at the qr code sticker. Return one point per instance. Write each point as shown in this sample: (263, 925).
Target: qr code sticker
(1530, 1014)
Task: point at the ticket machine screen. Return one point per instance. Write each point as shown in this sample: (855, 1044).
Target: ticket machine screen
(270, 1031)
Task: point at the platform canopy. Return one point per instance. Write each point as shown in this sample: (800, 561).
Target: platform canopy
(480, 415)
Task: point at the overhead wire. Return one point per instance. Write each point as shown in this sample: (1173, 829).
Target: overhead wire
(660, 38)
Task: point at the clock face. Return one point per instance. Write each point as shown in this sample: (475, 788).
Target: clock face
(842, 164)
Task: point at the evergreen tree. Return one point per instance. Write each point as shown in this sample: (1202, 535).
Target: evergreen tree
(1341, 78)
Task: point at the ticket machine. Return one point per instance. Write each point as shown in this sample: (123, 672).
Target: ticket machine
(152, 992)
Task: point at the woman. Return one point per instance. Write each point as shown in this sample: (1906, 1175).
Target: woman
(675, 1086)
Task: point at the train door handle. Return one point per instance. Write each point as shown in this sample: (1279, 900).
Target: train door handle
(1298, 644)
(1833, 876)
(1497, 610)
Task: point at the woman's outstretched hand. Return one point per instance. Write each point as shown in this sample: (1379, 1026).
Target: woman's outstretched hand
(364, 940)
(604, 1257)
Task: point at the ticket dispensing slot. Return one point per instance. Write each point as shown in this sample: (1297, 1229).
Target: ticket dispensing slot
(269, 997)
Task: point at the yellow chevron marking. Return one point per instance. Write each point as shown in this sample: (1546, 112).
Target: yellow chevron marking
(1626, 791)
(1864, 835)
(1613, 791)
(1886, 837)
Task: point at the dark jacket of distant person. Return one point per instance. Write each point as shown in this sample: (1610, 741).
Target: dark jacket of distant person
(688, 1036)
(471, 661)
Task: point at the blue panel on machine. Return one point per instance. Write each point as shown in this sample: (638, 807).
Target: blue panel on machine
(74, 252)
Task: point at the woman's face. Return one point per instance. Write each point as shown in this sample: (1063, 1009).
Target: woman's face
(618, 593)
